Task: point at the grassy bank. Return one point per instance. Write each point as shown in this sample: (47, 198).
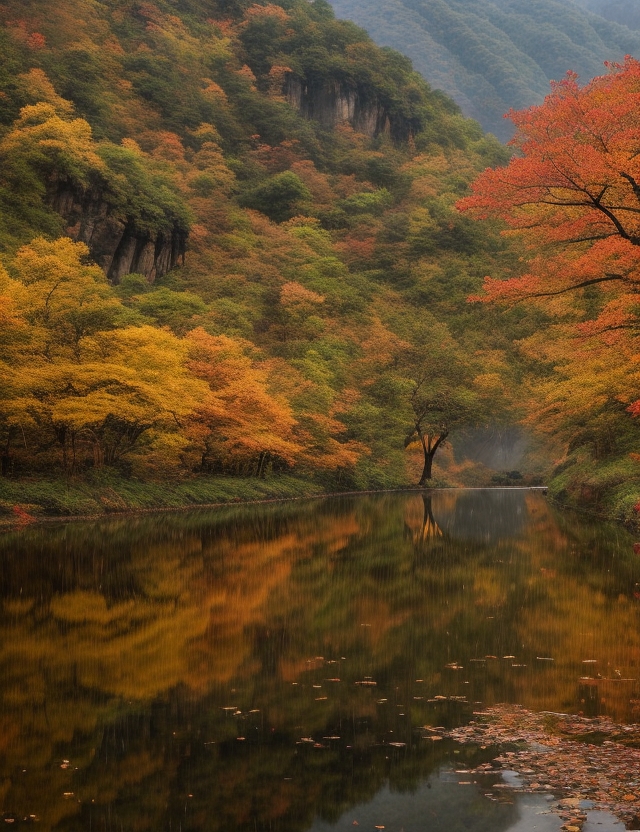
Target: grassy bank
(105, 493)
(608, 490)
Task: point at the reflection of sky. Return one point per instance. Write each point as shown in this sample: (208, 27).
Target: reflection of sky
(442, 804)
(484, 515)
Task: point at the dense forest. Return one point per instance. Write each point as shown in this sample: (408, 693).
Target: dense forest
(231, 247)
(494, 55)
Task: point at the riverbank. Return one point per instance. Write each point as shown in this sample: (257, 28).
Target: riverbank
(106, 493)
(29, 501)
(583, 763)
(26, 501)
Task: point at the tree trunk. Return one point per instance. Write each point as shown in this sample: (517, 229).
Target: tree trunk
(428, 462)
(429, 448)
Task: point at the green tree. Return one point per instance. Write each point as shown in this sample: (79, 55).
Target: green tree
(281, 197)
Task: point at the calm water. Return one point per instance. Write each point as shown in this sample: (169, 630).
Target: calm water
(270, 668)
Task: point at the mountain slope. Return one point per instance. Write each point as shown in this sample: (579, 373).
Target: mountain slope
(494, 55)
(625, 12)
(229, 246)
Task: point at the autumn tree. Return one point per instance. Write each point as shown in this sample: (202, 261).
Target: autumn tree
(571, 193)
(80, 376)
(241, 425)
(423, 384)
(571, 196)
(440, 392)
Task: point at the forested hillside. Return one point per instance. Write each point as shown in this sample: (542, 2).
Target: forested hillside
(494, 55)
(626, 12)
(229, 246)
(230, 251)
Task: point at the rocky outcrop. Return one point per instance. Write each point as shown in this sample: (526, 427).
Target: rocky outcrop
(333, 102)
(116, 244)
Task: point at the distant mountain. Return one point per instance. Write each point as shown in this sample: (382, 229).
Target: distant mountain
(626, 12)
(494, 55)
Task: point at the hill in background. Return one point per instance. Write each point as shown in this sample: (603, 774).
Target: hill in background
(626, 12)
(491, 57)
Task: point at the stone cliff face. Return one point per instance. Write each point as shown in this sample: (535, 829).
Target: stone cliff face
(333, 102)
(121, 247)
(115, 243)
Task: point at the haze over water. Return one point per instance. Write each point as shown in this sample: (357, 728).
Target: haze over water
(273, 667)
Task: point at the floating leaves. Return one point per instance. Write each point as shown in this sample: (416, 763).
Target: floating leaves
(556, 760)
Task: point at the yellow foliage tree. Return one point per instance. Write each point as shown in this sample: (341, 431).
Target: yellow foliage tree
(81, 382)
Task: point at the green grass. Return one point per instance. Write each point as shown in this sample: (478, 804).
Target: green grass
(609, 489)
(106, 492)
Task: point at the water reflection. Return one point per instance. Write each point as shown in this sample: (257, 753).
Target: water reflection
(274, 668)
(483, 516)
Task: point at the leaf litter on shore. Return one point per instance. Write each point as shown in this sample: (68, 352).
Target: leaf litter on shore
(585, 763)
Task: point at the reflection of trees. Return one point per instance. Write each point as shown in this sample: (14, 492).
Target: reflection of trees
(121, 644)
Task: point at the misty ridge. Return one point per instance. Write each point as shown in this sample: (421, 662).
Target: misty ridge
(494, 55)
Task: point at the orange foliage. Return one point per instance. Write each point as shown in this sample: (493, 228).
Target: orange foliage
(294, 294)
(278, 158)
(572, 196)
(256, 12)
(36, 41)
(354, 251)
(573, 189)
(242, 421)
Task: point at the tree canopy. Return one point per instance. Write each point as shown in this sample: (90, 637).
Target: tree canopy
(571, 196)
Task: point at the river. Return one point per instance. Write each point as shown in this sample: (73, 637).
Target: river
(274, 667)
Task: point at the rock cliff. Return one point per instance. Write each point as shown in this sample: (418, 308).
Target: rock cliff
(332, 102)
(116, 244)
